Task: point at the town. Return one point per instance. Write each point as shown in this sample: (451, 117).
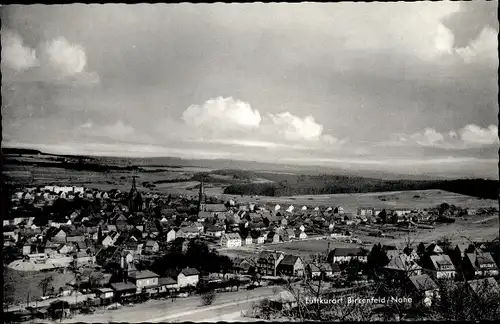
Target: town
(124, 248)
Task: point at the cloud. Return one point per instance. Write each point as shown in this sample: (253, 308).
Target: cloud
(56, 61)
(69, 59)
(234, 122)
(295, 128)
(474, 134)
(428, 138)
(470, 136)
(222, 114)
(15, 54)
(470, 20)
(485, 46)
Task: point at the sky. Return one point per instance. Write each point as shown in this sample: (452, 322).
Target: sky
(410, 87)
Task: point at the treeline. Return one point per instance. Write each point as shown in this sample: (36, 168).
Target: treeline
(329, 184)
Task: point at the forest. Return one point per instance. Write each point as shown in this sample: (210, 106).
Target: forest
(291, 185)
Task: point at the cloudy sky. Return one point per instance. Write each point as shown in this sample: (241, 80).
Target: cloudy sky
(406, 87)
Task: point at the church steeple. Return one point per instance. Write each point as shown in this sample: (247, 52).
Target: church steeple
(134, 199)
(201, 197)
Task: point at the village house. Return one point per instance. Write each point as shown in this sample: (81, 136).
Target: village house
(151, 247)
(59, 236)
(243, 265)
(440, 267)
(180, 234)
(105, 294)
(230, 240)
(166, 284)
(326, 269)
(479, 265)
(214, 231)
(459, 252)
(110, 239)
(341, 255)
(170, 235)
(143, 279)
(258, 238)
(123, 290)
(247, 240)
(401, 267)
(267, 263)
(302, 235)
(291, 265)
(273, 237)
(289, 234)
(423, 289)
(188, 277)
(433, 249)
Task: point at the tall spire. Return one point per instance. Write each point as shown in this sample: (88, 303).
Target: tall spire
(201, 197)
(133, 183)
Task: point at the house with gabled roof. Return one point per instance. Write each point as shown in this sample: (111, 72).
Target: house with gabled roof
(440, 267)
(479, 265)
(326, 269)
(423, 289)
(151, 247)
(291, 265)
(188, 277)
(267, 263)
(231, 240)
(190, 231)
(401, 267)
(341, 255)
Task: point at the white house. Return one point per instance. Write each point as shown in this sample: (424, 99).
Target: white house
(230, 240)
(188, 277)
(171, 235)
(302, 235)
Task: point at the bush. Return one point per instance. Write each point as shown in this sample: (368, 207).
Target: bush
(208, 298)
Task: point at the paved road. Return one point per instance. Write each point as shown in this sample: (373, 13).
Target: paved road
(182, 309)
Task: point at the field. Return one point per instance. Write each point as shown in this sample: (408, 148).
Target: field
(389, 200)
(26, 283)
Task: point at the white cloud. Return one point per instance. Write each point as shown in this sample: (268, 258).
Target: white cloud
(485, 46)
(429, 137)
(69, 59)
(474, 134)
(229, 121)
(55, 61)
(15, 54)
(468, 137)
(222, 114)
(295, 128)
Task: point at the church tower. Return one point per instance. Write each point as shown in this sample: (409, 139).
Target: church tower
(135, 201)
(201, 198)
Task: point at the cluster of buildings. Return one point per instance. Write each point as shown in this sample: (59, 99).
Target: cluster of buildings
(124, 227)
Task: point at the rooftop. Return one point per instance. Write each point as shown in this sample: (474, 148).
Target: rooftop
(142, 274)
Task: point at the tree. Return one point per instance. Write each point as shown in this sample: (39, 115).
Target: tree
(8, 294)
(445, 244)
(45, 284)
(208, 298)
(99, 235)
(421, 249)
(95, 279)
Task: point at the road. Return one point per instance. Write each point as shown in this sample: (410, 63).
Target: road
(485, 219)
(226, 306)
